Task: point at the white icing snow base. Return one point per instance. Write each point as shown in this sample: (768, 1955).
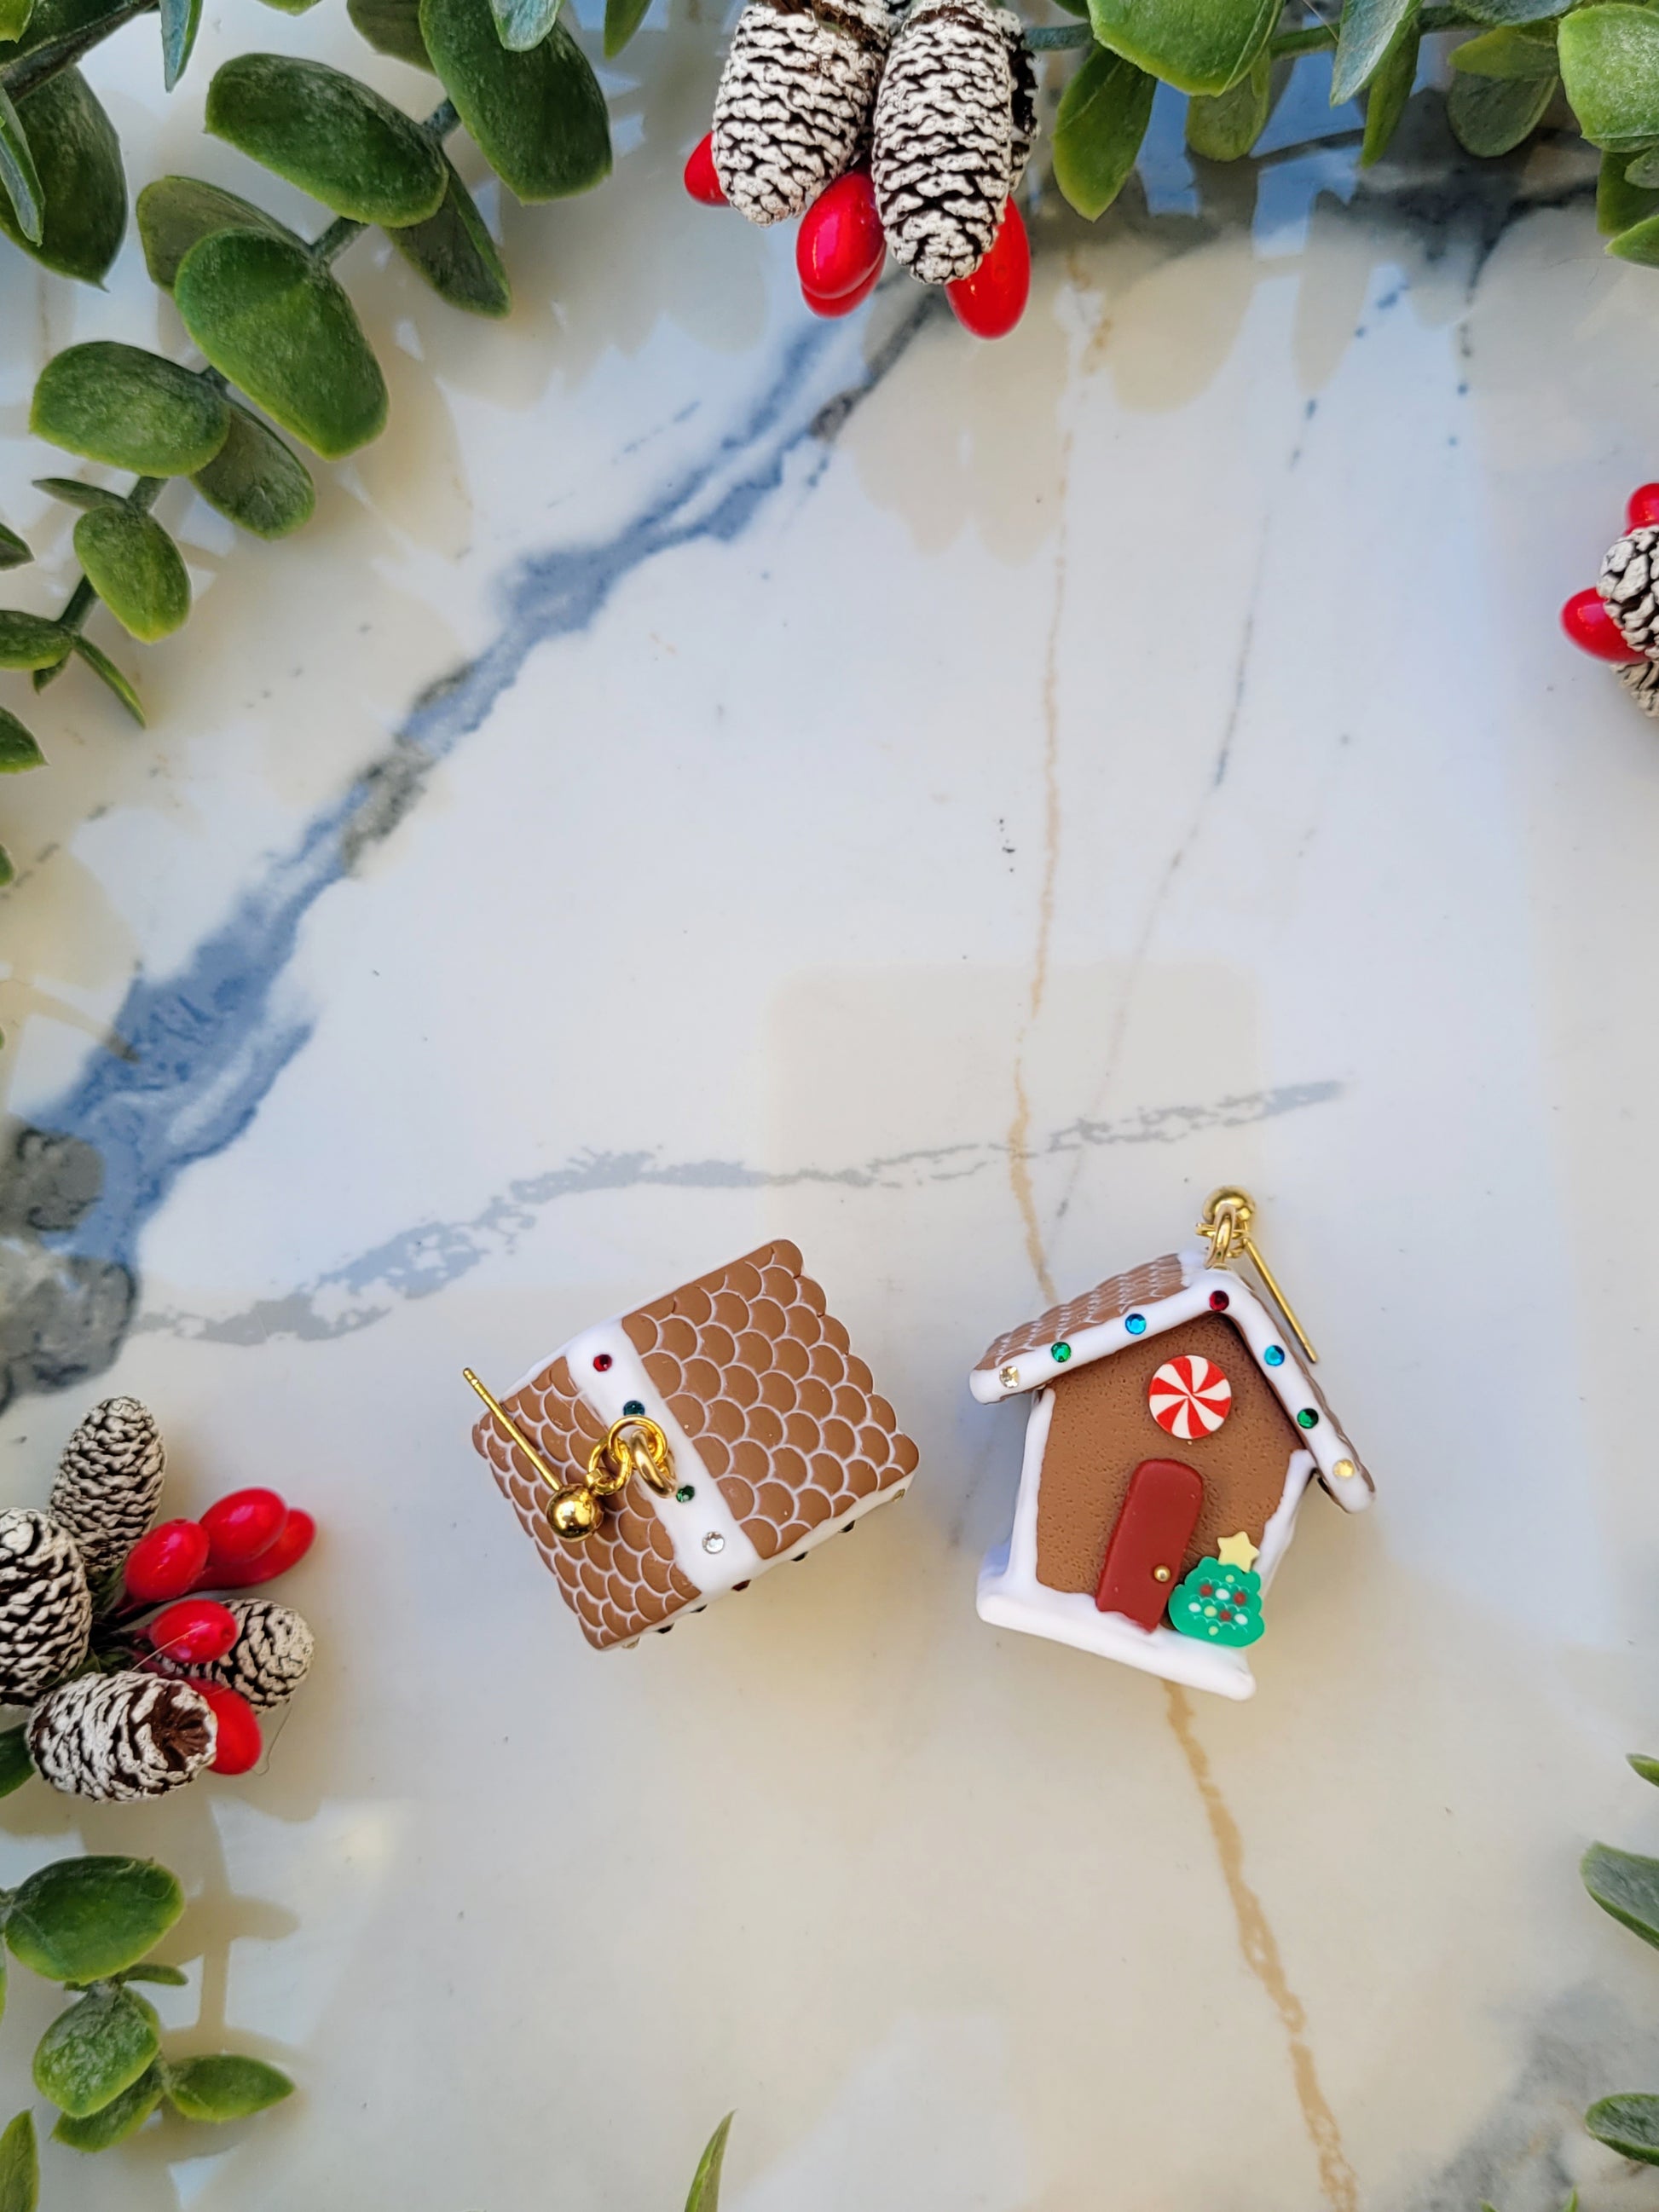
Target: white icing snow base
(1073, 1617)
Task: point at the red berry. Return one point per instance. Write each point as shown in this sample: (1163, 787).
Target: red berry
(844, 306)
(166, 1563)
(238, 1744)
(291, 1547)
(243, 1525)
(840, 245)
(1588, 624)
(701, 180)
(1643, 506)
(193, 1632)
(992, 301)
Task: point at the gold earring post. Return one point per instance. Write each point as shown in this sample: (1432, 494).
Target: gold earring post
(514, 1430)
(1226, 1223)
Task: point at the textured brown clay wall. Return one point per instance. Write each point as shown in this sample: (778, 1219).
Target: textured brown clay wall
(1102, 1430)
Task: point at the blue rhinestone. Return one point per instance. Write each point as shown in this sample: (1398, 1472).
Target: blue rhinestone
(633, 1406)
(1136, 1324)
(1274, 1355)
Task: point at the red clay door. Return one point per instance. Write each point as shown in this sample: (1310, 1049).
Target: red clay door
(1152, 1533)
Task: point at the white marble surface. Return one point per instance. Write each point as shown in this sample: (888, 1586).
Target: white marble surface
(951, 806)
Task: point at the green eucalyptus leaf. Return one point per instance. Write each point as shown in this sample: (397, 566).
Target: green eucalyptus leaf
(1624, 1883)
(175, 212)
(18, 750)
(15, 1765)
(1513, 12)
(275, 323)
(78, 1918)
(113, 2123)
(1506, 54)
(521, 24)
(136, 569)
(15, 18)
(1223, 126)
(153, 1970)
(256, 480)
(180, 21)
(129, 408)
(14, 553)
(50, 21)
(19, 180)
(73, 493)
(1628, 2124)
(20, 2164)
(225, 2087)
(8, 875)
(1103, 118)
(328, 134)
(1197, 45)
(84, 187)
(1640, 243)
(1368, 29)
(705, 2193)
(1619, 205)
(101, 666)
(1644, 171)
(30, 642)
(1610, 64)
(392, 27)
(538, 118)
(1641, 1764)
(1492, 115)
(41, 678)
(457, 256)
(623, 17)
(96, 2049)
(1391, 88)
(291, 6)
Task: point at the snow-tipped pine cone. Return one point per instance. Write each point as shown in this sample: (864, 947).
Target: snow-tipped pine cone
(269, 1659)
(1629, 585)
(795, 100)
(1641, 679)
(109, 1482)
(943, 156)
(116, 1737)
(1022, 104)
(46, 1608)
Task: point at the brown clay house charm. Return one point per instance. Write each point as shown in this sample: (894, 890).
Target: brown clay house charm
(1173, 1430)
(662, 1459)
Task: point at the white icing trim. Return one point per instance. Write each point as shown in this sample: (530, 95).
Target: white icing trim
(1276, 1536)
(712, 1573)
(1289, 1382)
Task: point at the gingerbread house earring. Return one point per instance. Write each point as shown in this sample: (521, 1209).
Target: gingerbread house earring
(1174, 1428)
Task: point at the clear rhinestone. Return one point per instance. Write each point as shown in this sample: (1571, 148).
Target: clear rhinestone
(714, 1541)
(1008, 1377)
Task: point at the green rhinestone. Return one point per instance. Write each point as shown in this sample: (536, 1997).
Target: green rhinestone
(685, 1493)
(634, 1406)
(1306, 1419)
(1062, 1352)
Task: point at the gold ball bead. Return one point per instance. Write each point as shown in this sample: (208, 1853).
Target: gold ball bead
(1344, 1470)
(575, 1513)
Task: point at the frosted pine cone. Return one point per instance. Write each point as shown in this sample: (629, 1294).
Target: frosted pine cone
(109, 1482)
(116, 1737)
(45, 1609)
(943, 158)
(1022, 104)
(1627, 583)
(269, 1659)
(1641, 679)
(795, 100)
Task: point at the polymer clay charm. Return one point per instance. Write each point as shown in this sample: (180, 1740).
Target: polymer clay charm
(1173, 1430)
(661, 1459)
(1617, 617)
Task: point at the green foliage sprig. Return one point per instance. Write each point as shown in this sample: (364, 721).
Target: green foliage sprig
(87, 1924)
(1626, 1885)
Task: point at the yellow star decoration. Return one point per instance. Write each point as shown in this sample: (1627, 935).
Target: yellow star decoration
(1237, 1551)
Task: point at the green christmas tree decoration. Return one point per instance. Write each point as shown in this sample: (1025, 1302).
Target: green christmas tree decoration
(1218, 1604)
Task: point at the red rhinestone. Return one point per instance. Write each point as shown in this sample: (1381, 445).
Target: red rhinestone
(1587, 624)
(1219, 1302)
(601, 1361)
